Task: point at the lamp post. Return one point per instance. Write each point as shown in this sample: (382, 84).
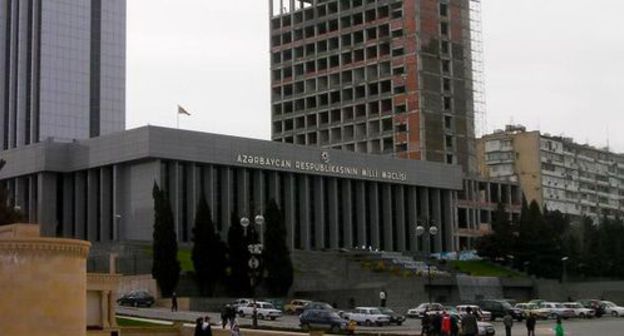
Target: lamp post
(420, 231)
(563, 270)
(255, 250)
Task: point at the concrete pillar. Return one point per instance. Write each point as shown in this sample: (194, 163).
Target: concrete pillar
(46, 192)
(259, 187)
(304, 212)
(104, 309)
(437, 218)
(274, 187)
(373, 213)
(425, 217)
(242, 192)
(386, 217)
(412, 210)
(226, 199)
(360, 199)
(68, 208)
(449, 218)
(106, 206)
(319, 212)
(80, 204)
(334, 232)
(347, 214)
(289, 205)
(119, 200)
(399, 210)
(210, 190)
(93, 189)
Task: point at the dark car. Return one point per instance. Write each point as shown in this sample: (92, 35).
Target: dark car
(136, 299)
(314, 319)
(395, 318)
(500, 308)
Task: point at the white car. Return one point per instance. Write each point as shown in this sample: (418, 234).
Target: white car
(482, 314)
(554, 310)
(579, 310)
(241, 302)
(613, 309)
(368, 316)
(264, 310)
(419, 311)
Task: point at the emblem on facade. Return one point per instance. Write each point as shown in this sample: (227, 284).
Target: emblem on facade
(325, 157)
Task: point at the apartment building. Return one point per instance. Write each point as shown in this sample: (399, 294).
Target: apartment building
(391, 77)
(558, 173)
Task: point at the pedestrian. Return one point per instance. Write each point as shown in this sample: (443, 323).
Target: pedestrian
(174, 302)
(199, 322)
(436, 324)
(383, 296)
(559, 328)
(469, 323)
(225, 314)
(530, 325)
(425, 324)
(508, 322)
(351, 303)
(446, 324)
(454, 325)
(235, 329)
(206, 328)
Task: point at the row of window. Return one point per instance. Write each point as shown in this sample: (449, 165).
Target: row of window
(351, 131)
(382, 145)
(361, 110)
(361, 91)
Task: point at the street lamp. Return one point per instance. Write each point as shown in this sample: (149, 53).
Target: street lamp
(255, 250)
(420, 231)
(563, 271)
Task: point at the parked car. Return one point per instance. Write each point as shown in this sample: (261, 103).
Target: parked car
(579, 310)
(139, 298)
(597, 305)
(555, 310)
(483, 315)
(264, 310)
(368, 316)
(531, 308)
(241, 302)
(500, 308)
(322, 319)
(295, 306)
(613, 309)
(485, 328)
(395, 318)
(419, 311)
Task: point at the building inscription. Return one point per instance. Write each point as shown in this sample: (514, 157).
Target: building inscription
(307, 166)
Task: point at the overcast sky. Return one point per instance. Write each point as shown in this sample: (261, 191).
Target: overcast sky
(556, 65)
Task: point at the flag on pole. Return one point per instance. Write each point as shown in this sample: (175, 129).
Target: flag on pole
(181, 110)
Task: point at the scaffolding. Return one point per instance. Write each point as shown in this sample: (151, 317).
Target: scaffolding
(478, 68)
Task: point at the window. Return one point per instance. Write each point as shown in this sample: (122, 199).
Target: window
(443, 9)
(444, 29)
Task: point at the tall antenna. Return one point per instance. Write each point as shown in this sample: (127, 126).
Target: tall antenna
(478, 67)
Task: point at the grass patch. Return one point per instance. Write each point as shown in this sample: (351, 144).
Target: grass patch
(483, 268)
(126, 322)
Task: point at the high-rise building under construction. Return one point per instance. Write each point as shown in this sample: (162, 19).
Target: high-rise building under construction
(394, 77)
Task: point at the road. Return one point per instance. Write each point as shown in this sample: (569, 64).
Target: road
(606, 326)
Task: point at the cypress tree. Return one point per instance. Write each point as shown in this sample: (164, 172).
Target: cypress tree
(208, 254)
(276, 255)
(166, 267)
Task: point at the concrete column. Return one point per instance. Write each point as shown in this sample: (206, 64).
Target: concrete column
(437, 218)
(334, 232)
(104, 309)
(304, 212)
(289, 205)
(386, 220)
(373, 214)
(46, 207)
(210, 190)
(106, 206)
(259, 199)
(399, 210)
(32, 198)
(111, 309)
(175, 196)
(412, 201)
(274, 187)
(119, 199)
(93, 189)
(68, 202)
(360, 194)
(80, 204)
(226, 199)
(243, 194)
(347, 216)
(425, 217)
(319, 212)
(190, 191)
(449, 218)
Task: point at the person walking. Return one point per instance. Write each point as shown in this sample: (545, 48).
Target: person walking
(383, 296)
(235, 329)
(199, 322)
(436, 324)
(508, 322)
(446, 324)
(174, 302)
(454, 325)
(225, 312)
(425, 324)
(469, 323)
(206, 328)
(559, 328)
(530, 325)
